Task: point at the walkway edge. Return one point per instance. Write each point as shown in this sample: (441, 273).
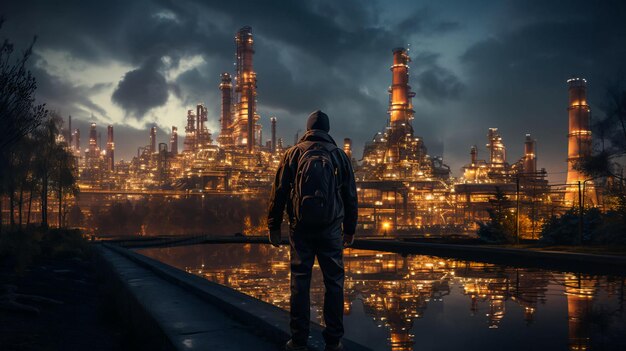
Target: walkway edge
(556, 260)
(268, 319)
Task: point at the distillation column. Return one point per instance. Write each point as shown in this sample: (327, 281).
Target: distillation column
(174, 141)
(497, 151)
(152, 140)
(579, 142)
(77, 140)
(530, 158)
(190, 132)
(246, 88)
(93, 140)
(400, 109)
(273, 122)
(110, 149)
(226, 117)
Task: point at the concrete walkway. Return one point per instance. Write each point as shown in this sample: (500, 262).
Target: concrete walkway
(187, 322)
(176, 310)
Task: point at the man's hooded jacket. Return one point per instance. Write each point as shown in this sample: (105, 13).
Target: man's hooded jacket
(285, 177)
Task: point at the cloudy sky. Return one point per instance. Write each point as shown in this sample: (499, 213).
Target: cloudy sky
(476, 64)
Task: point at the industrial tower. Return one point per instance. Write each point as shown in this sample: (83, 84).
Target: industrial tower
(245, 124)
(404, 155)
(174, 141)
(226, 116)
(530, 157)
(579, 143)
(400, 106)
(110, 153)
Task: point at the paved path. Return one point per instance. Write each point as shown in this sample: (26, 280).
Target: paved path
(188, 321)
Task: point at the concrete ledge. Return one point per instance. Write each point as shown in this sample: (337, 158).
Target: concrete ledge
(557, 260)
(265, 320)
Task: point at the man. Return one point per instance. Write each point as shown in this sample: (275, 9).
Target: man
(315, 181)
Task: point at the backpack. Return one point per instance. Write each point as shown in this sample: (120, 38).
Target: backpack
(315, 197)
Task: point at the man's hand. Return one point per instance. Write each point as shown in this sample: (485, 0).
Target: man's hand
(275, 237)
(348, 240)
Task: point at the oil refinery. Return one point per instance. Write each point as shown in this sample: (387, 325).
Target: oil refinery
(401, 187)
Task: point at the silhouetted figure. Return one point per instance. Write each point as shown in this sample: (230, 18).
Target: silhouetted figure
(316, 182)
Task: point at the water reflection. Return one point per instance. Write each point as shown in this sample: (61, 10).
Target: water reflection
(395, 302)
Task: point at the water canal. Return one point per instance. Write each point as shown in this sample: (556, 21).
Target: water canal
(416, 302)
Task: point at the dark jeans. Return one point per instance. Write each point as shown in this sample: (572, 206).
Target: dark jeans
(328, 247)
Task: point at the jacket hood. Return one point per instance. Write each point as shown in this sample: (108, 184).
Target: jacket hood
(317, 135)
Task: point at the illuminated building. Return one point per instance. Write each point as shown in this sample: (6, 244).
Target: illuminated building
(579, 143)
(95, 165)
(482, 179)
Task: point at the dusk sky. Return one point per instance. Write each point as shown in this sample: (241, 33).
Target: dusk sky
(476, 64)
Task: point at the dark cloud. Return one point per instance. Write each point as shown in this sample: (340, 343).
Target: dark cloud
(141, 90)
(425, 22)
(438, 85)
(517, 75)
(63, 96)
(335, 55)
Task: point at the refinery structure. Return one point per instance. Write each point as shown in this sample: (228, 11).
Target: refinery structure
(401, 187)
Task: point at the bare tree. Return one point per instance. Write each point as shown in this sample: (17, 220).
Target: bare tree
(19, 114)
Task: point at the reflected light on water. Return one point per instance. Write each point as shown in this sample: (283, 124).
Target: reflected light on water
(395, 302)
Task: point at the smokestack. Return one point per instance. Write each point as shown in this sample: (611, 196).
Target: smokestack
(69, 133)
(273, 129)
(473, 155)
(530, 159)
(200, 125)
(174, 141)
(198, 118)
(246, 83)
(400, 106)
(347, 147)
(77, 139)
(579, 139)
(226, 87)
(153, 140)
(110, 149)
